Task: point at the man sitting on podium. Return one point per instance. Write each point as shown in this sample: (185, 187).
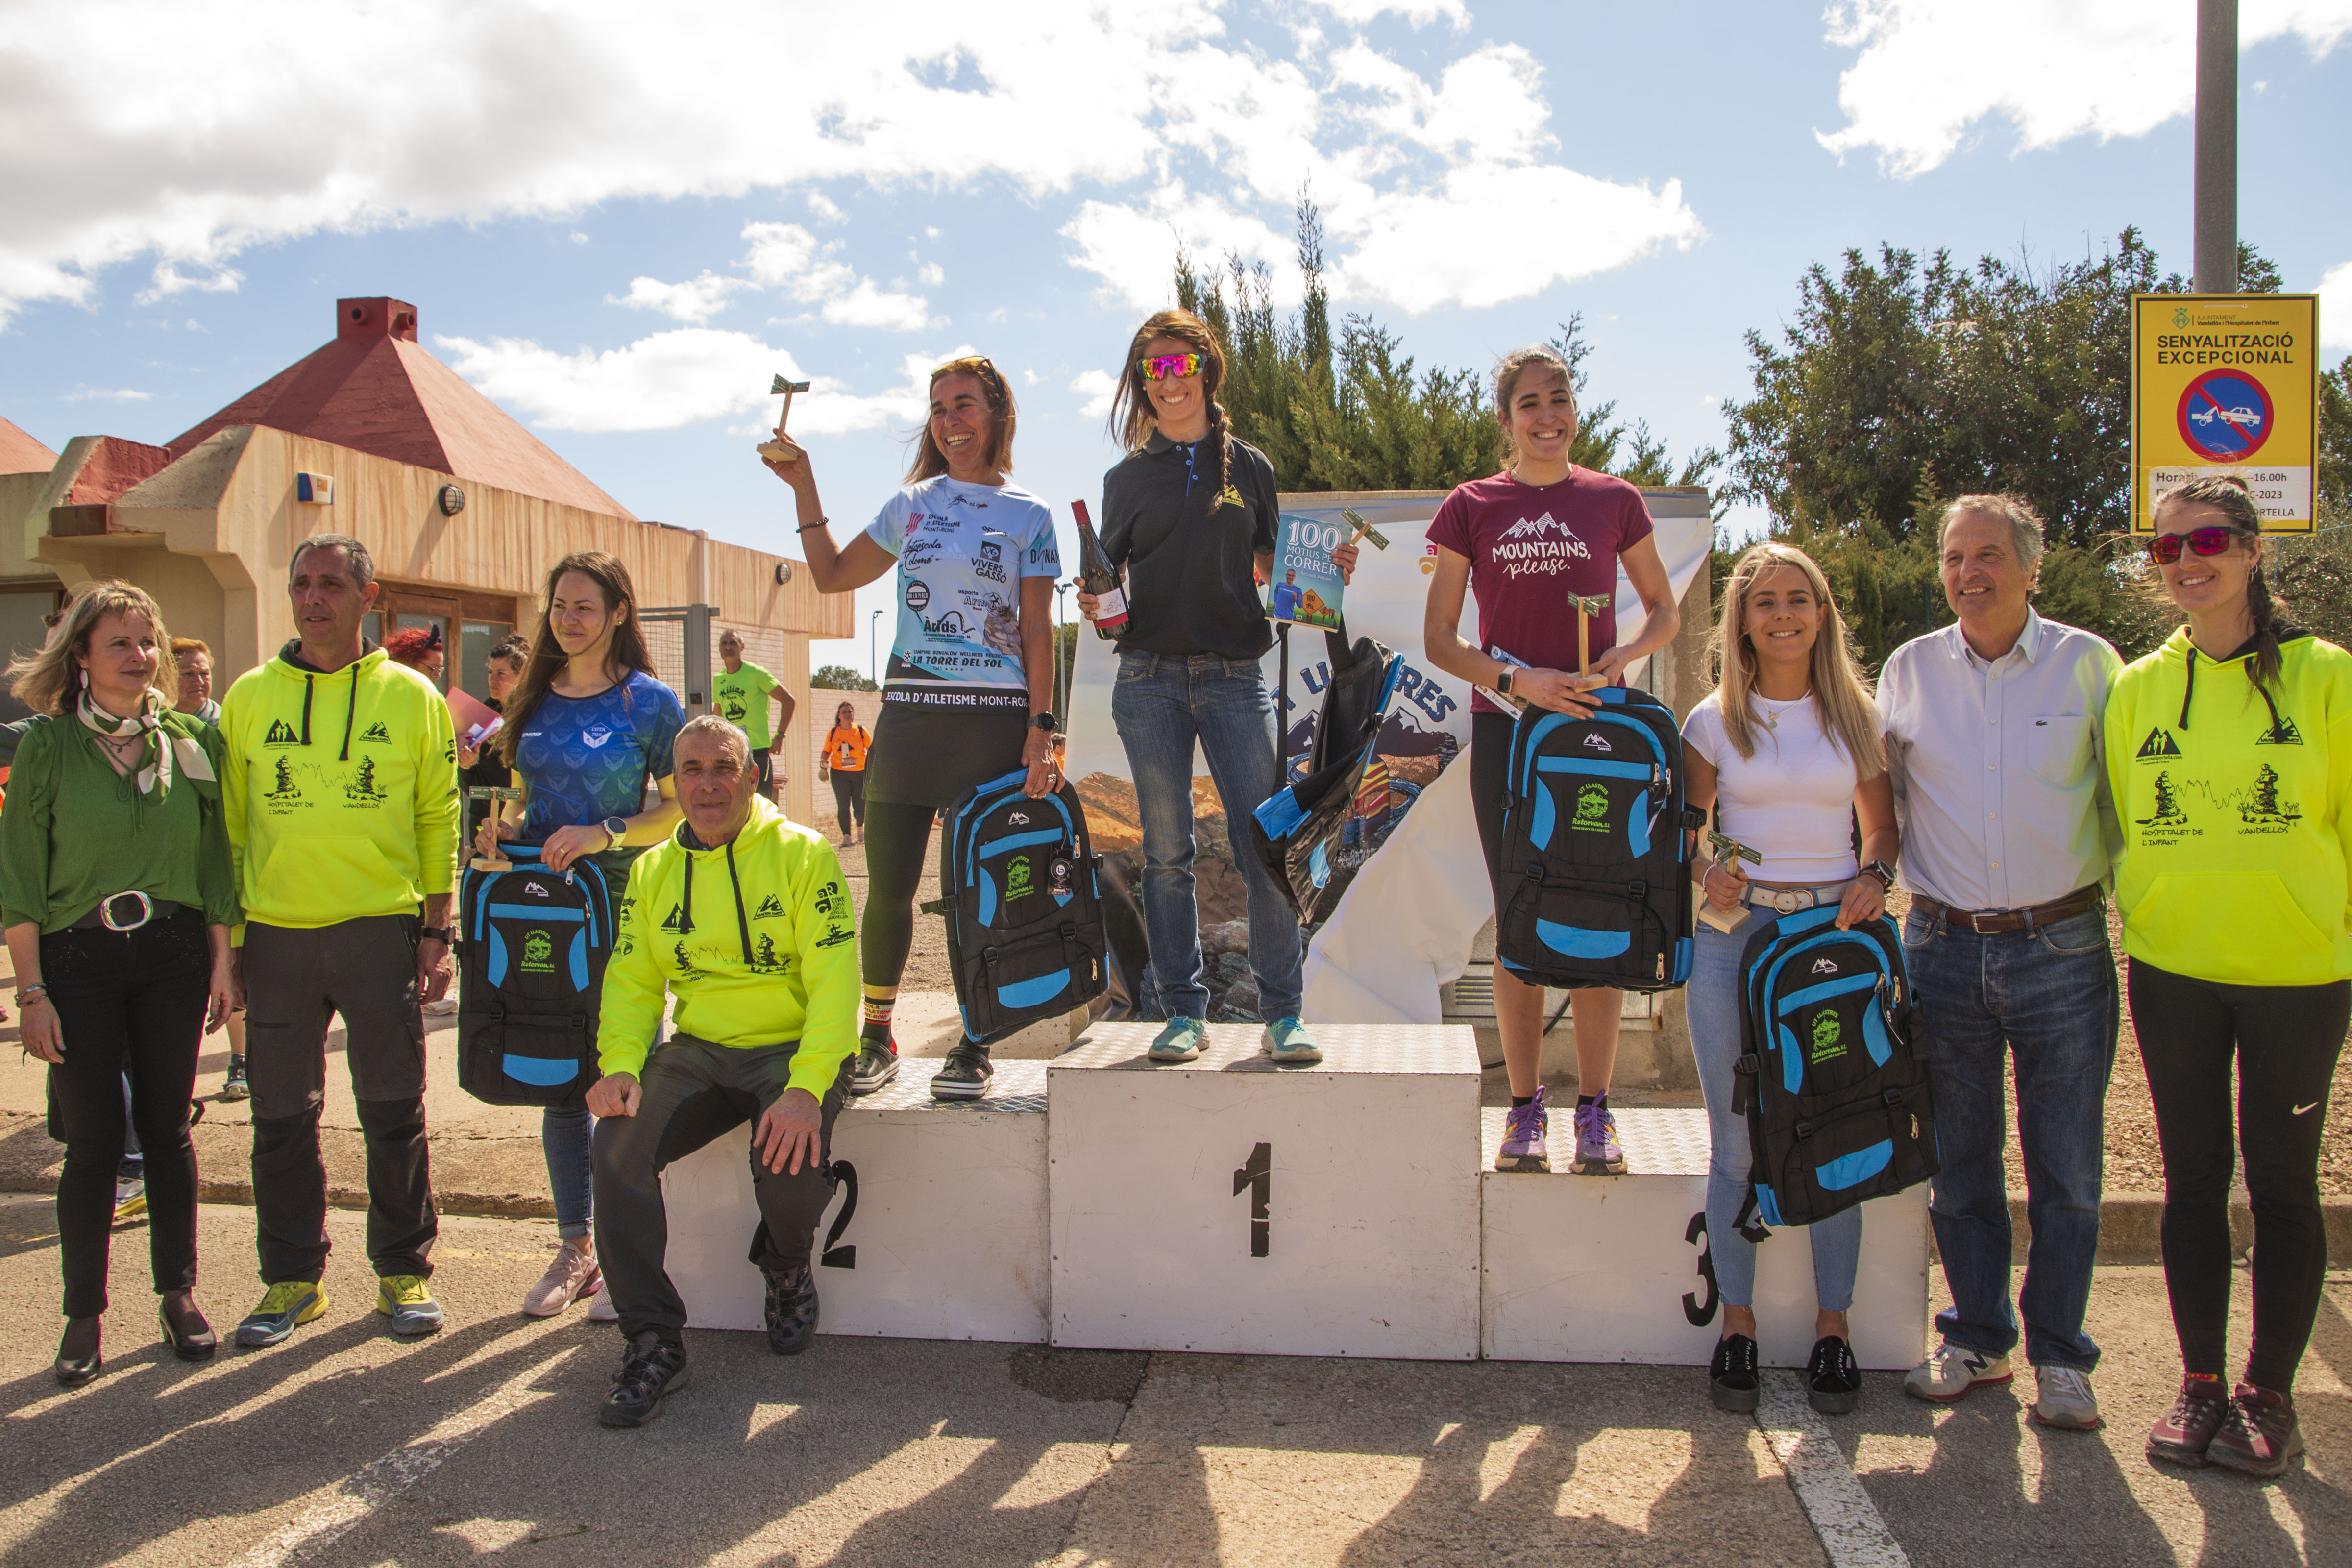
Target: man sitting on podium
(743, 917)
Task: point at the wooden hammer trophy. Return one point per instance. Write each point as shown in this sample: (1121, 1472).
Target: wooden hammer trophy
(1726, 847)
(493, 861)
(776, 451)
(1362, 529)
(1586, 608)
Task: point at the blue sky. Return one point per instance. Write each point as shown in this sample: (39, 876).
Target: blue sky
(618, 224)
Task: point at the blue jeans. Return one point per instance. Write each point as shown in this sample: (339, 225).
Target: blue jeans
(564, 1136)
(1713, 999)
(2048, 999)
(1162, 703)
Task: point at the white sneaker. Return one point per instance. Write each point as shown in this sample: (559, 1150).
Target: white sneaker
(602, 1310)
(447, 1006)
(1951, 1372)
(2065, 1399)
(571, 1275)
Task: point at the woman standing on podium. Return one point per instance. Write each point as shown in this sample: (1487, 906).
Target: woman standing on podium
(969, 694)
(1790, 745)
(1525, 541)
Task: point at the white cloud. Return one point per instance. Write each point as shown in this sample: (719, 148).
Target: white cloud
(932, 274)
(1927, 72)
(1100, 387)
(578, 237)
(199, 142)
(694, 302)
(2336, 307)
(168, 281)
(679, 377)
(117, 394)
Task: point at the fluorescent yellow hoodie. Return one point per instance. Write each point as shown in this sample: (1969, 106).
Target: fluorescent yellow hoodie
(2235, 805)
(755, 938)
(340, 790)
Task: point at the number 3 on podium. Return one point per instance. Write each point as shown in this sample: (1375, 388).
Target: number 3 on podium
(1256, 1178)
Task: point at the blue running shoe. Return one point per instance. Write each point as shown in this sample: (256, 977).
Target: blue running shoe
(1180, 1041)
(1288, 1041)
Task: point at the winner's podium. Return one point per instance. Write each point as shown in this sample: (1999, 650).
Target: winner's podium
(950, 1222)
(1608, 1268)
(1228, 1204)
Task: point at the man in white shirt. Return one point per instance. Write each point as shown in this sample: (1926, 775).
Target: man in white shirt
(2009, 838)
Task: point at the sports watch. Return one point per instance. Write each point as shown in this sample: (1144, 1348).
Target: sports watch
(1503, 681)
(1884, 872)
(442, 934)
(617, 828)
(1043, 721)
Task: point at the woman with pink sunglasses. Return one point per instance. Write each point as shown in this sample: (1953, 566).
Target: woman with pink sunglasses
(2235, 810)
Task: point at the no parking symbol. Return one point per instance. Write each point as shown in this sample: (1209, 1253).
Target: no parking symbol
(2225, 416)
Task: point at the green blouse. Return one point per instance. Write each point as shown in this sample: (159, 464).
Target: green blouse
(74, 831)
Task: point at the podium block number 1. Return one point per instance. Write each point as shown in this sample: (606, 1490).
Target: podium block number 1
(1256, 1178)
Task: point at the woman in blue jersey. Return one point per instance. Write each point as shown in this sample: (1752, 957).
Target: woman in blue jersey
(587, 726)
(969, 693)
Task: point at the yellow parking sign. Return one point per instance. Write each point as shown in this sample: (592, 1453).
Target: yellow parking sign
(2227, 384)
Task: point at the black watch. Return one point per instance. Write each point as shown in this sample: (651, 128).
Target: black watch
(1503, 682)
(1884, 872)
(1043, 721)
(442, 934)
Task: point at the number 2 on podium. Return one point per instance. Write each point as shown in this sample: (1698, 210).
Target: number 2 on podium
(1256, 1178)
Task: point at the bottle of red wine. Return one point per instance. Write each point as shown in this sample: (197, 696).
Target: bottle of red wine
(1095, 577)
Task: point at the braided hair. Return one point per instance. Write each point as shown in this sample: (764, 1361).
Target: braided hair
(1132, 420)
(929, 461)
(2228, 494)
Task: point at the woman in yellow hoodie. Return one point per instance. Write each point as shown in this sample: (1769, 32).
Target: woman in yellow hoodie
(2229, 751)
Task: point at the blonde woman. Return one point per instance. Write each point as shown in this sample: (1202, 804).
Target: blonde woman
(117, 896)
(1790, 747)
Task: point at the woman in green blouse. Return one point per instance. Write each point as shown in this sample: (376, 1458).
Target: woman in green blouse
(118, 896)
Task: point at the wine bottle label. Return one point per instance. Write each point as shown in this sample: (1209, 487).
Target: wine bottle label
(1110, 605)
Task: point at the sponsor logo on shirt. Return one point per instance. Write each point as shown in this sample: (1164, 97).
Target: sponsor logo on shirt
(2286, 734)
(1229, 496)
(770, 908)
(377, 734)
(2158, 747)
(919, 595)
(675, 920)
(1536, 547)
(595, 736)
(280, 733)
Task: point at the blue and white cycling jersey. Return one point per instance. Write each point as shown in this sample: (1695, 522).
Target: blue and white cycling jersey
(962, 551)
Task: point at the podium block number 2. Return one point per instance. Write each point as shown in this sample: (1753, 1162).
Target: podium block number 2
(1256, 1178)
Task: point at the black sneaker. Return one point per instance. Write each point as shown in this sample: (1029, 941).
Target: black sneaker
(965, 1074)
(235, 1086)
(1832, 1377)
(651, 1368)
(792, 1308)
(1731, 1379)
(877, 1063)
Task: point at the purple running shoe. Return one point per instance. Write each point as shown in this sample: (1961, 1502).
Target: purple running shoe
(1523, 1138)
(1598, 1153)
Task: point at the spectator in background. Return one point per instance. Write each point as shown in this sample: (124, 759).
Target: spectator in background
(484, 767)
(420, 648)
(195, 665)
(844, 763)
(741, 692)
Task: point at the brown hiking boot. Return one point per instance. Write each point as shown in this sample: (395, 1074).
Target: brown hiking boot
(2187, 1430)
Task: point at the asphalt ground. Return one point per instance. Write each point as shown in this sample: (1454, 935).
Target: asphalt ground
(346, 1446)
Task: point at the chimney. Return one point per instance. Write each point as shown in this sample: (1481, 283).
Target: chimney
(376, 317)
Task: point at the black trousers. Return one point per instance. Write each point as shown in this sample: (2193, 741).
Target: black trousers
(896, 845)
(296, 980)
(695, 1091)
(128, 1001)
(849, 797)
(2284, 1040)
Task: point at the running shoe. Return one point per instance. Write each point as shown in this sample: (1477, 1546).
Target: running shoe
(877, 1064)
(284, 1306)
(1832, 1377)
(1524, 1127)
(791, 1308)
(130, 1200)
(1952, 1371)
(1598, 1153)
(1288, 1041)
(403, 1299)
(2064, 1400)
(651, 1368)
(2185, 1434)
(601, 1309)
(1180, 1041)
(234, 1087)
(572, 1275)
(965, 1074)
(1732, 1380)
(443, 1007)
(2259, 1435)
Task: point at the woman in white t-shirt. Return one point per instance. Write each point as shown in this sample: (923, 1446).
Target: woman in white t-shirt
(1789, 746)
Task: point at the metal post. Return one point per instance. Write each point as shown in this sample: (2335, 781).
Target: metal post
(872, 627)
(698, 661)
(2216, 246)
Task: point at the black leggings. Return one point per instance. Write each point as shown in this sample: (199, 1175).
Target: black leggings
(2285, 1039)
(848, 797)
(897, 841)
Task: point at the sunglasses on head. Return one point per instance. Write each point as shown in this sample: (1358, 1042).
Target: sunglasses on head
(2165, 548)
(1160, 367)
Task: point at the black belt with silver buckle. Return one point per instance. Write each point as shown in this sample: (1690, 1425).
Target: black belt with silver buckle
(1997, 922)
(126, 911)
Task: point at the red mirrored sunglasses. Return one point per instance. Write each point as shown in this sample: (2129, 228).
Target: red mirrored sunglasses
(2165, 548)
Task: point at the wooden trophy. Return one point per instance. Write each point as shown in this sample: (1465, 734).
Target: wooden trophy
(496, 794)
(1362, 529)
(776, 451)
(1586, 608)
(1726, 848)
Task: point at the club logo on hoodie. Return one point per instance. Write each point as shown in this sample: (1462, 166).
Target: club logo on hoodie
(280, 733)
(2159, 747)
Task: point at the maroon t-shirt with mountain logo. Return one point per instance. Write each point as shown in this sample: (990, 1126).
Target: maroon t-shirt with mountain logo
(1531, 546)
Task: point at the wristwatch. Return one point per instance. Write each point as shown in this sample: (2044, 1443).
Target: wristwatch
(442, 934)
(1503, 681)
(617, 828)
(1884, 872)
(1043, 721)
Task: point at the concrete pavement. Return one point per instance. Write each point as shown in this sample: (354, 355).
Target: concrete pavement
(345, 1446)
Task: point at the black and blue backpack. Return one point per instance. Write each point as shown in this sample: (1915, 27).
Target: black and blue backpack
(1592, 885)
(1021, 888)
(530, 966)
(1833, 1080)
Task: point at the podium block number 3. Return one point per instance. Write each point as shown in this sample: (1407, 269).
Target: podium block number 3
(1256, 1178)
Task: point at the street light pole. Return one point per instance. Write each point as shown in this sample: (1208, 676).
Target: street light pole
(1061, 705)
(873, 658)
(2216, 245)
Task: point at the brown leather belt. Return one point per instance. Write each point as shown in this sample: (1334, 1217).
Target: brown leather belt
(1994, 922)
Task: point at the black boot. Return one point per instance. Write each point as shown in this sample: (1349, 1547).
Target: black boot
(792, 1308)
(79, 1360)
(652, 1367)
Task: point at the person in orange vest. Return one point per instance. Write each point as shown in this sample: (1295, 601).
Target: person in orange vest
(845, 765)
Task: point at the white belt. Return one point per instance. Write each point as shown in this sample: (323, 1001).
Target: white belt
(1789, 900)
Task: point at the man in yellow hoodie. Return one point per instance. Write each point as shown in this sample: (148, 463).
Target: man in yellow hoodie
(340, 790)
(744, 918)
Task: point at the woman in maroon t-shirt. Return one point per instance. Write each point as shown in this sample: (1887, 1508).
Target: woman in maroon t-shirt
(1524, 542)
